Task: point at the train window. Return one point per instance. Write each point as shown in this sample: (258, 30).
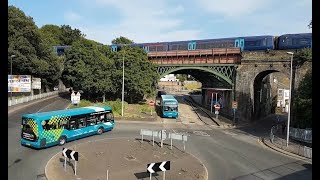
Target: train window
(146, 48)
(114, 48)
(304, 41)
(264, 42)
(183, 47)
(152, 48)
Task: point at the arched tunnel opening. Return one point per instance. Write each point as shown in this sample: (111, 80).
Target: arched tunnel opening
(267, 99)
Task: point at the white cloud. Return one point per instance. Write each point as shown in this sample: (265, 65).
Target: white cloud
(72, 16)
(141, 21)
(231, 8)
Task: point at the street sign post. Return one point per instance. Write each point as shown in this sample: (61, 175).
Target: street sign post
(152, 105)
(217, 108)
(67, 153)
(234, 107)
(160, 166)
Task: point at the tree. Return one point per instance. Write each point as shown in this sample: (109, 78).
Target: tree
(303, 55)
(32, 55)
(303, 103)
(88, 69)
(122, 40)
(182, 77)
(51, 34)
(69, 35)
(140, 74)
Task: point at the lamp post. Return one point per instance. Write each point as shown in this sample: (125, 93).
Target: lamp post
(12, 56)
(289, 108)
(122, 86)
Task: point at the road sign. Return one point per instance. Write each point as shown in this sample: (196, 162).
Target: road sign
(75, 98)
(234, 104)
(151, 103)
(216, 107)
(70, 154)
(162, 135)
(160, 166)
(216, 112)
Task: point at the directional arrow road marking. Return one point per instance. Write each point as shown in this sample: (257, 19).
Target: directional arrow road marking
(150, 168)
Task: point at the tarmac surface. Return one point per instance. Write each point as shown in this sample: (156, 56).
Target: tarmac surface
(124, 158)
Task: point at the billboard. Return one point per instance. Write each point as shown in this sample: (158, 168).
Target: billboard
(36, 83)
(19, 83)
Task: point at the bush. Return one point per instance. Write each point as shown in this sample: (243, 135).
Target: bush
(145, 108)
(83, 103)
(115, 105)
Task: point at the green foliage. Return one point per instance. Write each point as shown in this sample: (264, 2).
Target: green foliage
(64, 35)
(303, 103)
(83, 103)
(122, 40)
(182, 77)
(32, 55)
(140, 74)
(116, 106)
(303, 55)
(146, 108)
(88, 69)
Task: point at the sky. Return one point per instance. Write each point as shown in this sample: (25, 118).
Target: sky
(171, 20)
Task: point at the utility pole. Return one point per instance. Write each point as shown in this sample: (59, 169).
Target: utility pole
(12, 56)
(122, 86)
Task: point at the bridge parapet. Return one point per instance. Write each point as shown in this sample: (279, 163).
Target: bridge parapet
(207, 56)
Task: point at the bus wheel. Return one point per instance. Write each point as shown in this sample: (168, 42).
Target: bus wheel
(62, 140)
(100, 130)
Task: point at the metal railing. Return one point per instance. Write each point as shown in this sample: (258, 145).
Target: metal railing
(275, 138)
(301, 134)
(30, 98)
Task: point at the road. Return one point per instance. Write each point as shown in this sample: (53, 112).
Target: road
(227, 154)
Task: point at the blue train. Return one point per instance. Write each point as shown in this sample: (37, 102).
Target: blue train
(249, 43)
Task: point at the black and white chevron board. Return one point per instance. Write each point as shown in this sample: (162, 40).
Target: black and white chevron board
(160, 166)
(70, 154)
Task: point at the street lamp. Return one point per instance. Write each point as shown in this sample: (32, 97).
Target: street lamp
(122, 86)
(12, 56)
(289, 108)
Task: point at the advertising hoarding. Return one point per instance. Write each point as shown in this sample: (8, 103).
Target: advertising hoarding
(19, 83)
(36, 83)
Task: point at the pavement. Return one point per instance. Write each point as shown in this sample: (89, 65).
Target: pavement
(125, 158)
(294, 149)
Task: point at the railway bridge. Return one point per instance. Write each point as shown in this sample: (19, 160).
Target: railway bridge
(230, 72)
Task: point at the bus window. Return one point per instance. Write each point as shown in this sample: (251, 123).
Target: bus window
(100, 118)
(47, 127)
(92, 120)
(81, 122)
(72, 124)
(109, 117)
(63, 124)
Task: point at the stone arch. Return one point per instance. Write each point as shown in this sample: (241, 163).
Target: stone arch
(257, 84)
(223, 72)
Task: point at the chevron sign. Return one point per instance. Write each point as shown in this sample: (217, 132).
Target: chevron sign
(160, 166)
(70, 154)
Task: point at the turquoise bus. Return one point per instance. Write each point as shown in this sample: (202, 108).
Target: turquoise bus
(169, 106)
(40, 130)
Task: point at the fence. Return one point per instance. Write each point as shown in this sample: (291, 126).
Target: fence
(301, 134)
(280, 141)
(30, 98)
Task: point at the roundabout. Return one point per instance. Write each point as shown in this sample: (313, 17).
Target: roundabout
(125, 158)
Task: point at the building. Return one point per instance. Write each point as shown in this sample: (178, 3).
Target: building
(170, 77)
(283, 99)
